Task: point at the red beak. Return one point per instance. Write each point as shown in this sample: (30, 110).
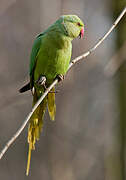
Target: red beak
(82, 33)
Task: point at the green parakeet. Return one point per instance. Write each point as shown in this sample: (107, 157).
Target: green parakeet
(50, 57)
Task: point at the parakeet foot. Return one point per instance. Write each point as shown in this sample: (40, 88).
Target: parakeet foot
(41, 81)
(60, 77)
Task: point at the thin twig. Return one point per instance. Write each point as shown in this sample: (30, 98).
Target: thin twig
(15, 136)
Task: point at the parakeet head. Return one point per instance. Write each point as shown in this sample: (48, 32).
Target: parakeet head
(73, 26)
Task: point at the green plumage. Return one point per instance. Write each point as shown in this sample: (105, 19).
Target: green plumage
(50, 57)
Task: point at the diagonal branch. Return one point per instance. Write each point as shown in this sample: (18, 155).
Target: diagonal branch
(15, 136)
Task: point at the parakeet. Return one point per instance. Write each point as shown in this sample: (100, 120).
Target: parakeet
(50, 57)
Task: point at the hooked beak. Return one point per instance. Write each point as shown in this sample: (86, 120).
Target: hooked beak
(81, 33)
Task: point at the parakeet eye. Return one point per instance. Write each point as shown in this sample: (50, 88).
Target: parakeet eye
(78, 24)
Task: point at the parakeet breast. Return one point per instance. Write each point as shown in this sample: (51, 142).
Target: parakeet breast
(53, 57)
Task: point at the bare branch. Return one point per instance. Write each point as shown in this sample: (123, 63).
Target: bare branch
(56, 81)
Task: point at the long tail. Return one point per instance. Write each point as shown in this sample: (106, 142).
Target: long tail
(25, 88)
(51, 104)
(36, 121)
(35, 126)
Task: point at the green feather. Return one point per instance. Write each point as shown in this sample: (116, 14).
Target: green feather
(51, 104)
(34, 52)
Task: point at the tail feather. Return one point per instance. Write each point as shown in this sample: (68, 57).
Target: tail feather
(35, 126)
(36, 121)
(25, 88)
(51, 104)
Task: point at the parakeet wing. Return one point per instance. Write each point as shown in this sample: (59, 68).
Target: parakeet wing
(34, 52)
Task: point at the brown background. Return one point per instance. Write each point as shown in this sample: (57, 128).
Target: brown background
(84, 141)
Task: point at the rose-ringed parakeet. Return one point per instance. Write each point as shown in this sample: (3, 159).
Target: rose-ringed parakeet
(50, 57)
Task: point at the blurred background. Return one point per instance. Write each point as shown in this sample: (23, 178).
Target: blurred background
(87, 141)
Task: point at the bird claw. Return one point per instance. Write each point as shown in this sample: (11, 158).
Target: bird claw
(41, 81)
(60, 77)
